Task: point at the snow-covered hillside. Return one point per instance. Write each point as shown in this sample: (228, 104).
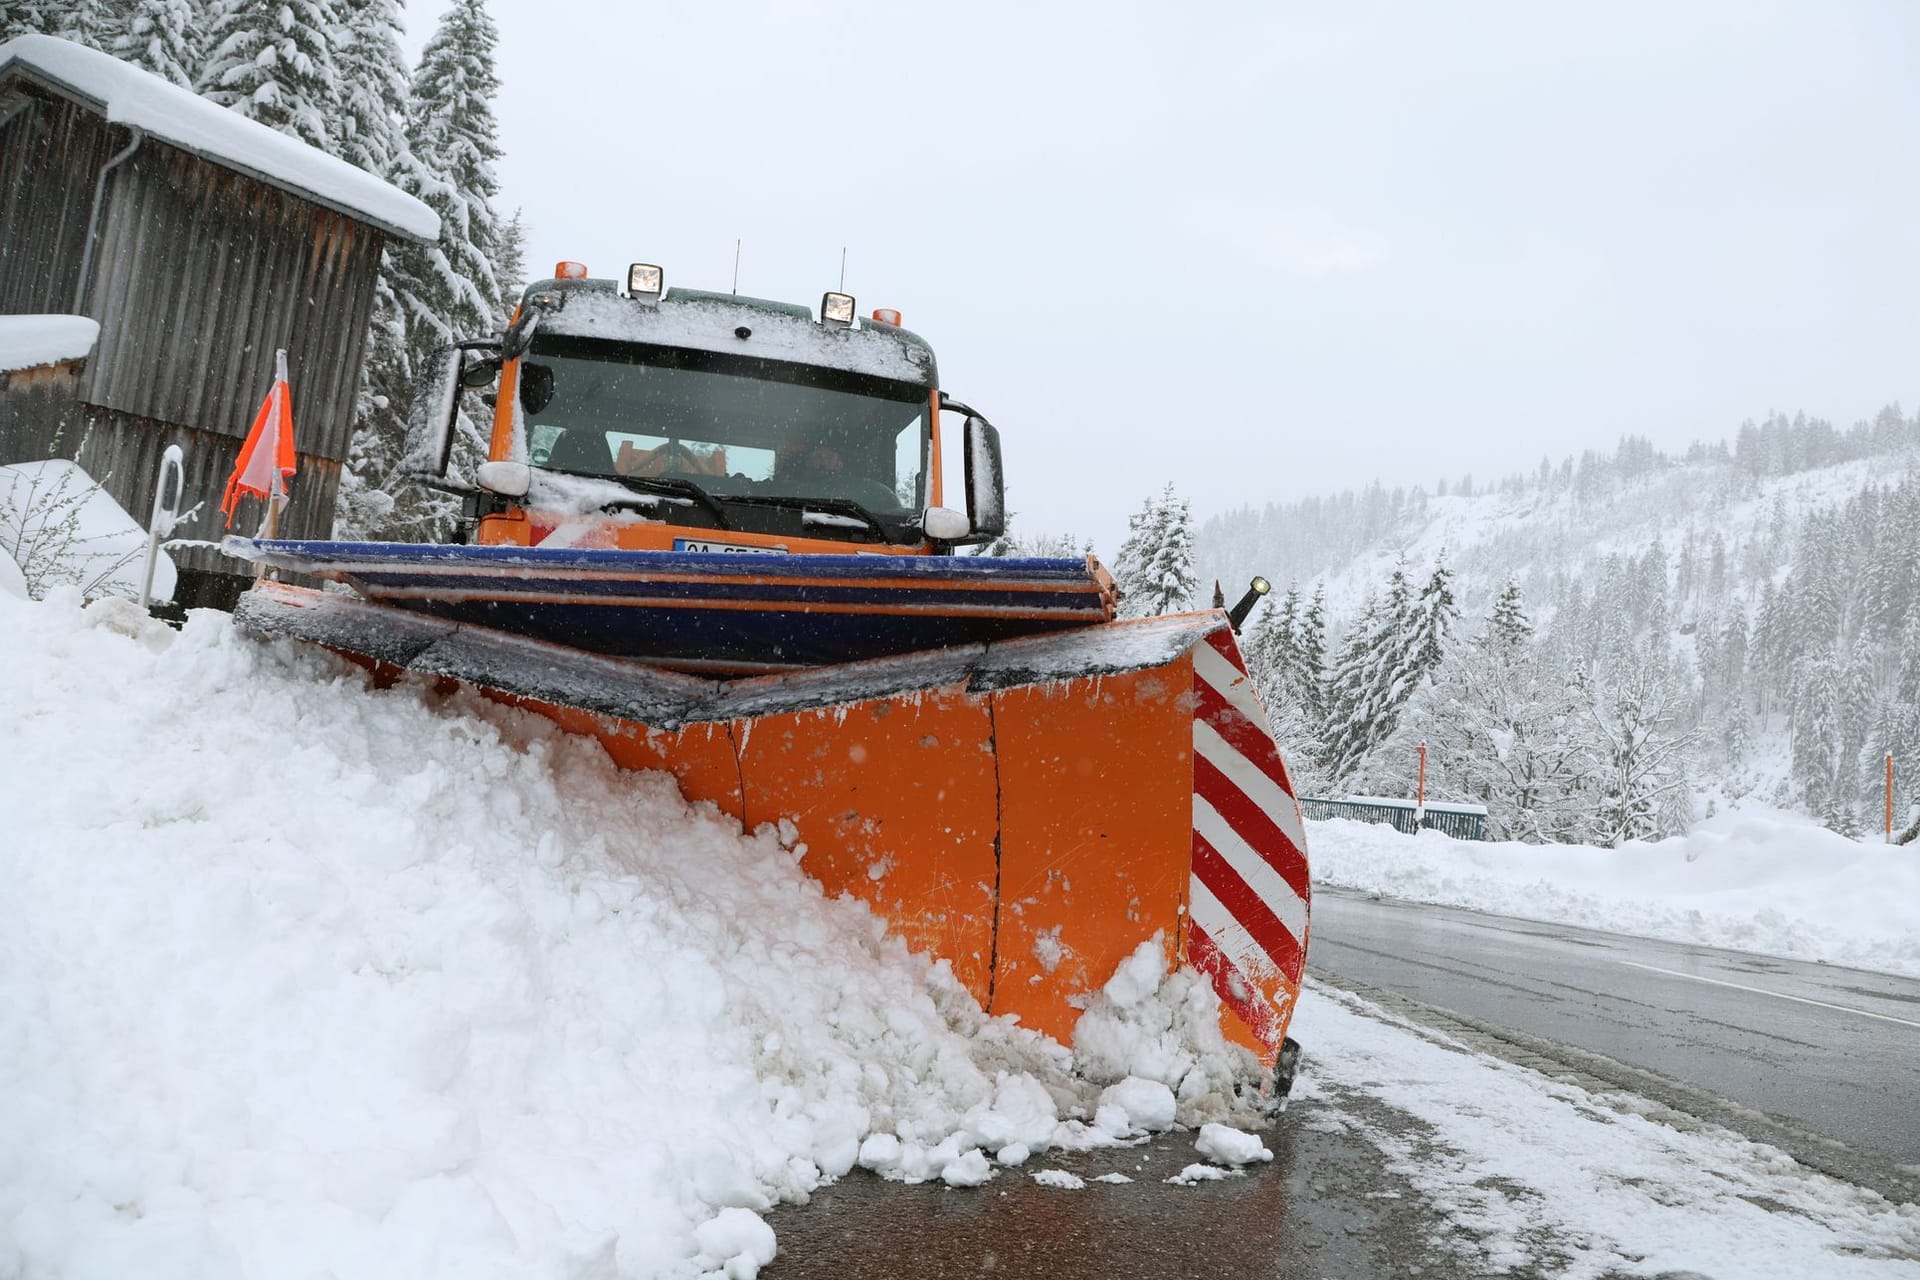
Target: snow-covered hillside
(1534, 529)
(1756, 606)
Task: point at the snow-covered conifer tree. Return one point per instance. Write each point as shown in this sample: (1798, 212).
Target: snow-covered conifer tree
(162, 36)
(455, 141)
(440, 292)
(510, 265)
(1155, 564)
(1642, 755)
(372, 90)
(274, 63)
(1509, 625)
(98, 24)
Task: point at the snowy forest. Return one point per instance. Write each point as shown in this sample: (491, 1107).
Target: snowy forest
(1599, 650)
(331, 73)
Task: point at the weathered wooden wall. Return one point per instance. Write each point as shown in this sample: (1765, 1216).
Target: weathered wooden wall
(50, 153)
(201, 274)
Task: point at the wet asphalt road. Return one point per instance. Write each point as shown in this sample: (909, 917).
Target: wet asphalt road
(1834, 1051)
(1837, 1051)
(1325, 1209)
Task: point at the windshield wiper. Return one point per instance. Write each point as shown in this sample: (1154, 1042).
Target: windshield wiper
(676, 485)
(843, 506)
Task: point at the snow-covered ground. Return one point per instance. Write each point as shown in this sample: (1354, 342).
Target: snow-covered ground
(1546, 1178)
(1753, 880)
(57, 526)
(300, 979)
(304, 978)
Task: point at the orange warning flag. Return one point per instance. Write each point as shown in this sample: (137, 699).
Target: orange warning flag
(266, 459)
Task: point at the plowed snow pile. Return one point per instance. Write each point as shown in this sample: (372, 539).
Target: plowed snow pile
(300, 978)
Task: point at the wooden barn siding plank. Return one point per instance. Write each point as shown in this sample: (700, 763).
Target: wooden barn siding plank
(49, 156)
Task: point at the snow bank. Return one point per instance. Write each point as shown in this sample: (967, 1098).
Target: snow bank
(302, 978)
(1751, 880)
(58, 527)
(174, 115)
(27, 342)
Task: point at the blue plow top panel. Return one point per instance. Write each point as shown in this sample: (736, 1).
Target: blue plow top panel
(713, 612)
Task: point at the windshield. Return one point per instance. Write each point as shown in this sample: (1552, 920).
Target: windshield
(742, 428)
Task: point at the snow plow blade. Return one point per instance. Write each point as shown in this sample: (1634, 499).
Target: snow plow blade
(1030, 810)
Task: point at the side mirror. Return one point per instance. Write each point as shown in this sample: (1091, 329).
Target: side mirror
(944, 524)
(479, 375)
(436, 400)
(508, 479)
(986, 490)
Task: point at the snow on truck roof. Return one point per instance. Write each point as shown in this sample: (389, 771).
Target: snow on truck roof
(700, 321)
(170, 114)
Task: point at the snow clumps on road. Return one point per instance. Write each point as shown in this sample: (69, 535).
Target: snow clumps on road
(304, 977)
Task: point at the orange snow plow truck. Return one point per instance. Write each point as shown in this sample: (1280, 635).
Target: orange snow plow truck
(713, 532)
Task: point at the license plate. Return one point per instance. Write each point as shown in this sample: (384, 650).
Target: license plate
(690, 544)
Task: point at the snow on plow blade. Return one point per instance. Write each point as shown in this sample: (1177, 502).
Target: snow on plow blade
(1030, 810)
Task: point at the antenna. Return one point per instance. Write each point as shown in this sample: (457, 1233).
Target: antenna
(736, 266)
(843, 268)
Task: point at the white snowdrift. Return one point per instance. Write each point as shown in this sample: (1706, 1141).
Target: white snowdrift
(1763, 881)
(57, 525)
(26, 342)
(301, 978)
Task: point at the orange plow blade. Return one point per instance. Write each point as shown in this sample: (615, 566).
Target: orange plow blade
(1030, 810)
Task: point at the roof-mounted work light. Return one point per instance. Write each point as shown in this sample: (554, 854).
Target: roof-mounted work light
(837, 308)
(1255, 589)
(644, 280)
(569, 271)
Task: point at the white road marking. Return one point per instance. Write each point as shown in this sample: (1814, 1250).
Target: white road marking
(1777, 995)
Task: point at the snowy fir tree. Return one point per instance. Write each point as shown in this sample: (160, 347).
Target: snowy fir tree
(436, 293)
(454, 141)
(372, 90)
(1395, 646)
(1155, 565)
(94, 23)
(274, 63)
(162, 36)
(510, 265)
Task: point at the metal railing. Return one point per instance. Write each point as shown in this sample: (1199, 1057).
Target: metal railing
(1461, 821)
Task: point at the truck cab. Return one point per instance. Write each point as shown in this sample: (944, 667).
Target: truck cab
(649, 419)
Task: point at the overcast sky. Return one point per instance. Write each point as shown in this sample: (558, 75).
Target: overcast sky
(1265, 250)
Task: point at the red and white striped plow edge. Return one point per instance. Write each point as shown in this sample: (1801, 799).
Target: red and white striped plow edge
(1248, 896)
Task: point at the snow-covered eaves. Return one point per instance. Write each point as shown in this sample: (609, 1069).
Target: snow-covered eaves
(170, 114)
(28, 342)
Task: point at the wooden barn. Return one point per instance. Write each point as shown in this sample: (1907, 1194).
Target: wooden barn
(200, 242)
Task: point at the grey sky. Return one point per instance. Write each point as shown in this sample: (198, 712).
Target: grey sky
(1266, 250)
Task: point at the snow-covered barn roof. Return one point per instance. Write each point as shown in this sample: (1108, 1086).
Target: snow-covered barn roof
(27, 342)
(170, 114)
